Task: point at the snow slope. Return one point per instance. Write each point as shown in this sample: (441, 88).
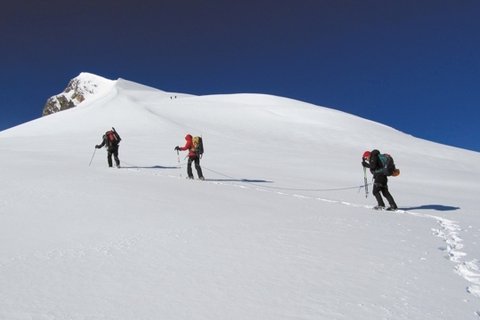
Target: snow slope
(281, 228)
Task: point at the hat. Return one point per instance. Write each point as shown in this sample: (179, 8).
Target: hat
(366, 155)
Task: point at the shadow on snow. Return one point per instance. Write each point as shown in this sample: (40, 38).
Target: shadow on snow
(240, 180)
(151, 167)
(437, 207)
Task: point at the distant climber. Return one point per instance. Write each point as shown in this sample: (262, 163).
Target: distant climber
(111, 140)
(379, 167)
(194, 154)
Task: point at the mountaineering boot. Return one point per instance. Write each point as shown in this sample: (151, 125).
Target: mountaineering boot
(201, 178)
(190, 178)
(392, 208)
(379, 208)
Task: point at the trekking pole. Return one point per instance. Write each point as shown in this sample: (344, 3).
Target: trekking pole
(93, 155)
(365, 181)
(179, 166)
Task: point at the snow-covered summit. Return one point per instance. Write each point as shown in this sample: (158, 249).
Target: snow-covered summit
(81, 88)
(88, 87)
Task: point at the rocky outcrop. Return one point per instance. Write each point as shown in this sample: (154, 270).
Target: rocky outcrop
(78, 90)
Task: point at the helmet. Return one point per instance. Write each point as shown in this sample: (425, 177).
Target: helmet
(366, 155)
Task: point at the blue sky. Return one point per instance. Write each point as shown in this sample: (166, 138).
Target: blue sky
(412, 65)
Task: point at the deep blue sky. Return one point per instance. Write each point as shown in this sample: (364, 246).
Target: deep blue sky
(411, 64)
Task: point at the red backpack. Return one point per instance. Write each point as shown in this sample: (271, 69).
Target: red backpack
(113, 136)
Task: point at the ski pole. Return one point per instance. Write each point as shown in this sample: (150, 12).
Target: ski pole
(365, 181)
(93, 155)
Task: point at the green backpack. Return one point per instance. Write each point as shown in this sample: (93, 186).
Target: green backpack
(388, 165)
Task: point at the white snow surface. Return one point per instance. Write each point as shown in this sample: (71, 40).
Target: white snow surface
(280, 229)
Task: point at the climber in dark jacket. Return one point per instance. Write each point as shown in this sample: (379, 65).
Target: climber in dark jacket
(372, 160)
(111, 139)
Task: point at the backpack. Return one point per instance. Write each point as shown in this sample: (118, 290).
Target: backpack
(197, 145)
(113, 136)
(388, 165)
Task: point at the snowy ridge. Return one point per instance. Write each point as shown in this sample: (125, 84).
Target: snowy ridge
(281, 228)
(92, 86)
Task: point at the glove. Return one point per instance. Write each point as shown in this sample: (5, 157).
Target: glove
(364, 163)
(97, 147)
(177, 148)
